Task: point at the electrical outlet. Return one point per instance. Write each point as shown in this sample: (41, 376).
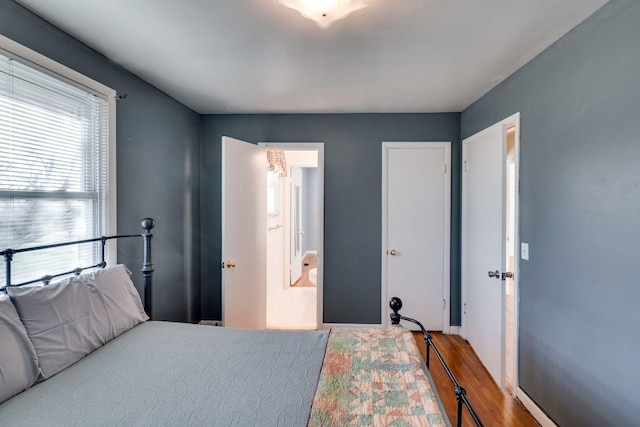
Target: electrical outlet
(524, 251)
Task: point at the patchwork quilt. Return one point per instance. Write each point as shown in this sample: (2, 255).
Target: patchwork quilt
(374, 377)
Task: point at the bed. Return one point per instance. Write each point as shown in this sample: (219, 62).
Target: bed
(83, 351)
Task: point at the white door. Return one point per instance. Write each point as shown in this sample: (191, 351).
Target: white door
(483, 239)
(244, 232)
(417, 204)
(296, 224)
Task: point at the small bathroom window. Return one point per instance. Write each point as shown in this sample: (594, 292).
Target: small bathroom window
(273, 193)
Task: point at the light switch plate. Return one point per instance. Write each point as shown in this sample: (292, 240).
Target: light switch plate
(524, 251)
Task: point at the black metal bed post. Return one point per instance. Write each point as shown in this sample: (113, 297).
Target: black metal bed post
(8, 257)
(461, 394)
(103, 241)
(147, 265)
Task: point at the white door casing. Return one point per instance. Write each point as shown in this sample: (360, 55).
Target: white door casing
(244, 234)
(483, 245)
(296, 224)
(416, 230)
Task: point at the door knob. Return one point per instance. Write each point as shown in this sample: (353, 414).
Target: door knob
(495, 274)
(301, 232)
(393, 252)
(231, 264)
(508, 274)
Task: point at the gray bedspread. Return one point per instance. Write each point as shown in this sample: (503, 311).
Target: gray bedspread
(171, 374)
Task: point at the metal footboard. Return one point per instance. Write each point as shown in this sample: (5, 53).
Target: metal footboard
(461, 393)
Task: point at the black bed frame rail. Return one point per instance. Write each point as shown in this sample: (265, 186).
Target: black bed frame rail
(147, 265)
(461, 393)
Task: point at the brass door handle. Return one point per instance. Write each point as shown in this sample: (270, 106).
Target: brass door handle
(301, 232)
(231, 264)
(393, 252)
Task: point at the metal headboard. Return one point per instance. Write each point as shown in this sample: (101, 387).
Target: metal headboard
(147, 265)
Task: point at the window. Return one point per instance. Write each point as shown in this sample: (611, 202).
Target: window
(273, 193)
(54, 168)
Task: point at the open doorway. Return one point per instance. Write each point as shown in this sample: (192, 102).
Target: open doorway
(294, 236)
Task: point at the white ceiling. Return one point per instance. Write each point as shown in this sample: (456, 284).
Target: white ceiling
(257, 56)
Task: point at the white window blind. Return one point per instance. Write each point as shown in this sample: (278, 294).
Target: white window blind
(53, 169)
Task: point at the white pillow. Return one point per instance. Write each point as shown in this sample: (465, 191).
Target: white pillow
(123, 307)
(18, 360)
(69, 319)
(62, 320)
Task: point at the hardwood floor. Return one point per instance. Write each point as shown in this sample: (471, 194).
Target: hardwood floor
(308, 262)
(494, 407)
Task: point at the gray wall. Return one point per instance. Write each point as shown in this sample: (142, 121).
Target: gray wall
(353, 182)
(579, 203)
(158, 143)
(309, 209)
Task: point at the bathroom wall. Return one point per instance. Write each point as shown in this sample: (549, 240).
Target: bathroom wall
(275, 249)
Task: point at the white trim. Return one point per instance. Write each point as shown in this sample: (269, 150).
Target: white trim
(112, 186)
(446, 292)
(454, 330)
(515, 119)
(351, 325)
(309, 253)
(67, 73)
(534, 409)
(319, 147)
(53, 66)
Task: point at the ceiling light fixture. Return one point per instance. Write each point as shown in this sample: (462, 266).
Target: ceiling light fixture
(325, 12)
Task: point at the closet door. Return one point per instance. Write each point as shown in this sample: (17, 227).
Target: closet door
(416, 252)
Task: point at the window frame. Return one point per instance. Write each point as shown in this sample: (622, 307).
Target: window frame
(65, 73)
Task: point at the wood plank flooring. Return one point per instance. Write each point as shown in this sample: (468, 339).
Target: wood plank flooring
(308, 262)
(494, 407)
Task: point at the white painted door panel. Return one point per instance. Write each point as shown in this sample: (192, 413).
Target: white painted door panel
(416, 232)
(483, 239)
(244, 234)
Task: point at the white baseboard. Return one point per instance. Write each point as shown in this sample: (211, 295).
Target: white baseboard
(453, 330)
(534, 409)
(211, 322)
(350, 325)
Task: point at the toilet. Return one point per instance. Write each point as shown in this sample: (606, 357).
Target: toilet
(313, 276)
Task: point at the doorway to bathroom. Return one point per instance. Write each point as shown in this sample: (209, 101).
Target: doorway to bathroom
(295, 184)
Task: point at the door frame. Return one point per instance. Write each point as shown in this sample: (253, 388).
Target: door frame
(292, 223)
(446, 291)
(514, 120)
(319, 147)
